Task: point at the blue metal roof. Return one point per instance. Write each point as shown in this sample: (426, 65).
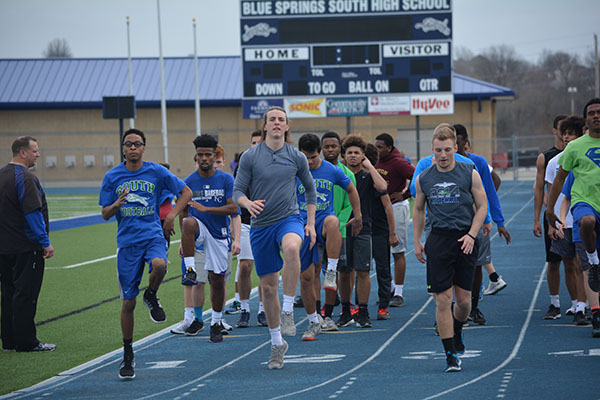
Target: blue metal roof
(82, 82)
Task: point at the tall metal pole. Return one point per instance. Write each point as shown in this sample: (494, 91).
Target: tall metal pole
(196, 83)
(597, 65)
(131, 120)
(163, 102)
(418, 131)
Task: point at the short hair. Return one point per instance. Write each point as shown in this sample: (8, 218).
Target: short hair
(330, 135)
(386, 138)
(20, 143)
(461, 131)
(444, 131)
(372, 153)
(206, 140)
(354, 140)
(309, 142)
(134, 131)
(166, 165)
(574, 124)
(263, 134)
(595, 100)
(557, 119)
(256, 133)
(220, 152)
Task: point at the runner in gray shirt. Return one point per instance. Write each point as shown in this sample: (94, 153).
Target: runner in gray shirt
(266, 186)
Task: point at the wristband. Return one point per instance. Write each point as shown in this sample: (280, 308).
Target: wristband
(471, 236)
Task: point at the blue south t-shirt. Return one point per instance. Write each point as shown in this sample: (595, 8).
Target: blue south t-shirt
(325, 177)
(138, 219)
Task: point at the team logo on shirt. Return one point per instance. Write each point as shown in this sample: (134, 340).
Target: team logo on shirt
(134, 198)
(445, 193)
(138, 186)
(594, 155)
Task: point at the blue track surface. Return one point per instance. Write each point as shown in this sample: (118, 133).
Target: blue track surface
(515, 355)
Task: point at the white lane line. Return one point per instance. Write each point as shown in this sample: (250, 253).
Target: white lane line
(77, 216)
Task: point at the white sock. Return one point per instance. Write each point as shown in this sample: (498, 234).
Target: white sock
(237, 296)
(573, 303)
(593, 257)
(216, 317)
(261, 307)
(189, 263)
(555, 301)
(245, 305)
(580, 307)
(398, 290)
(288, 304)
(332, 264)
(313, 317)
(276, 339)
(188, 314)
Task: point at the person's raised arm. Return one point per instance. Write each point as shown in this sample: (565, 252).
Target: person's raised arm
(182, 200)
(378, 181)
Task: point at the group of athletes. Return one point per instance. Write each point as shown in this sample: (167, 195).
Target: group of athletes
(297, 217)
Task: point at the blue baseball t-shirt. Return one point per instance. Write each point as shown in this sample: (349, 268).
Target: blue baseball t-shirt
(325, 177)
(138, 220)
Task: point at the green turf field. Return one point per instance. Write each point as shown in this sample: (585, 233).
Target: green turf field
(72, 206)
(83, 336)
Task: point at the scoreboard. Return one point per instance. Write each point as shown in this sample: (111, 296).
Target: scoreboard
(344, 48)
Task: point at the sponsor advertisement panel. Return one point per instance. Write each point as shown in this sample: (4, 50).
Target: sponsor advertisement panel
(255, 109)
(305, 107)
(347, 106)
(432, 104)
(389, 105)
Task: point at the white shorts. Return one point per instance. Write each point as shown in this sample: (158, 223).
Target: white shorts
(216, 256)
(200, 264)
(401, 219)
(245, 247)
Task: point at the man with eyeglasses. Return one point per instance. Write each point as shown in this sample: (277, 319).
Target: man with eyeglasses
(131, 192)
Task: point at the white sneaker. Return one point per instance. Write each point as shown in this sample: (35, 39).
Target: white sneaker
(314, 328)
(328, 325)
(288, 328)
(225, 327)
(277, 355)
(330, 280)
(495, 287)
(180, 329)
(571, 311)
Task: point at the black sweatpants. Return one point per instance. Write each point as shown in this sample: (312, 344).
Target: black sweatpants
(380, 246)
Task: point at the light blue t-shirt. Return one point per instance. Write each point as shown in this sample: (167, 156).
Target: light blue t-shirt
(325, 177)
(138, 220)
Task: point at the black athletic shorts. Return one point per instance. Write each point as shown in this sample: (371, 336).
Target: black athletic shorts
(550, 256)
(447, 265)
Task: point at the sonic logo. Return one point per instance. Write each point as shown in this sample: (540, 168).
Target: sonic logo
(310, 107)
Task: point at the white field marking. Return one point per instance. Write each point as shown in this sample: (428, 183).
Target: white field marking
(77, 216)
(94, 261)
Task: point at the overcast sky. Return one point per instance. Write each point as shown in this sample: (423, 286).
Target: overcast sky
(96, 28)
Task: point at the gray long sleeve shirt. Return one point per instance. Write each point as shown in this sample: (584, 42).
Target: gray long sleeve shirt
(264, 174)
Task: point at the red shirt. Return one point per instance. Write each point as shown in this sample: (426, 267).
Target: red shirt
(395, 170)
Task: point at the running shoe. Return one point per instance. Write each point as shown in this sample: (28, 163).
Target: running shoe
(216, 335)
(397, 301)
(571, 311)
(126, 369)
(314, 328)
(195, 327)
(180, 329)
(244, 320)
(495, 287)
(594, 278)
(580, 319)
(157, 314)
(234, 308)
(261, 317)
(225, 327)
(43, 347)
(596, 324)
(452, 363)
(288, 328)
(328, 325)
(189, 279)
(298, 303)
(345, 320)
(363, 320)
(353, 310)
(330, 280)
(383, 314)
(277, 355)
(553, 312)
(477, 317)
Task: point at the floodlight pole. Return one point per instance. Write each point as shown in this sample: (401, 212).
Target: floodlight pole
(163, 102)
(131, 120)
(196, 82)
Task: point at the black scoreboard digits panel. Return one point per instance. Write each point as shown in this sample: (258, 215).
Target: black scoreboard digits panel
(345, 47)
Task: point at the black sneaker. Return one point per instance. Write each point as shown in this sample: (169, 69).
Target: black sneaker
(126, 371)
(362, 320)
(594, 278)
(596, 324)
(194, 328)
(244, 320)
(189, 279)
(477, 317)
(552, 313)
(580, 319)
(157, 314)
(40, 347)
(262, 319)
(216, 336)
(345, 320)
(298, 303)
(459, 344)
(452, 363)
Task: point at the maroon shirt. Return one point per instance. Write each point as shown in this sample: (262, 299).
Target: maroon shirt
(395, 170)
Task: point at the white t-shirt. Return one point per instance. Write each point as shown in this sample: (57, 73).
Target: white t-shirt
(551, 171)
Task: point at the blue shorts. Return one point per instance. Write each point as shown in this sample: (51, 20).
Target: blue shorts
(130, 264)
(266, 243)
(311, 256)
(579, 210)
